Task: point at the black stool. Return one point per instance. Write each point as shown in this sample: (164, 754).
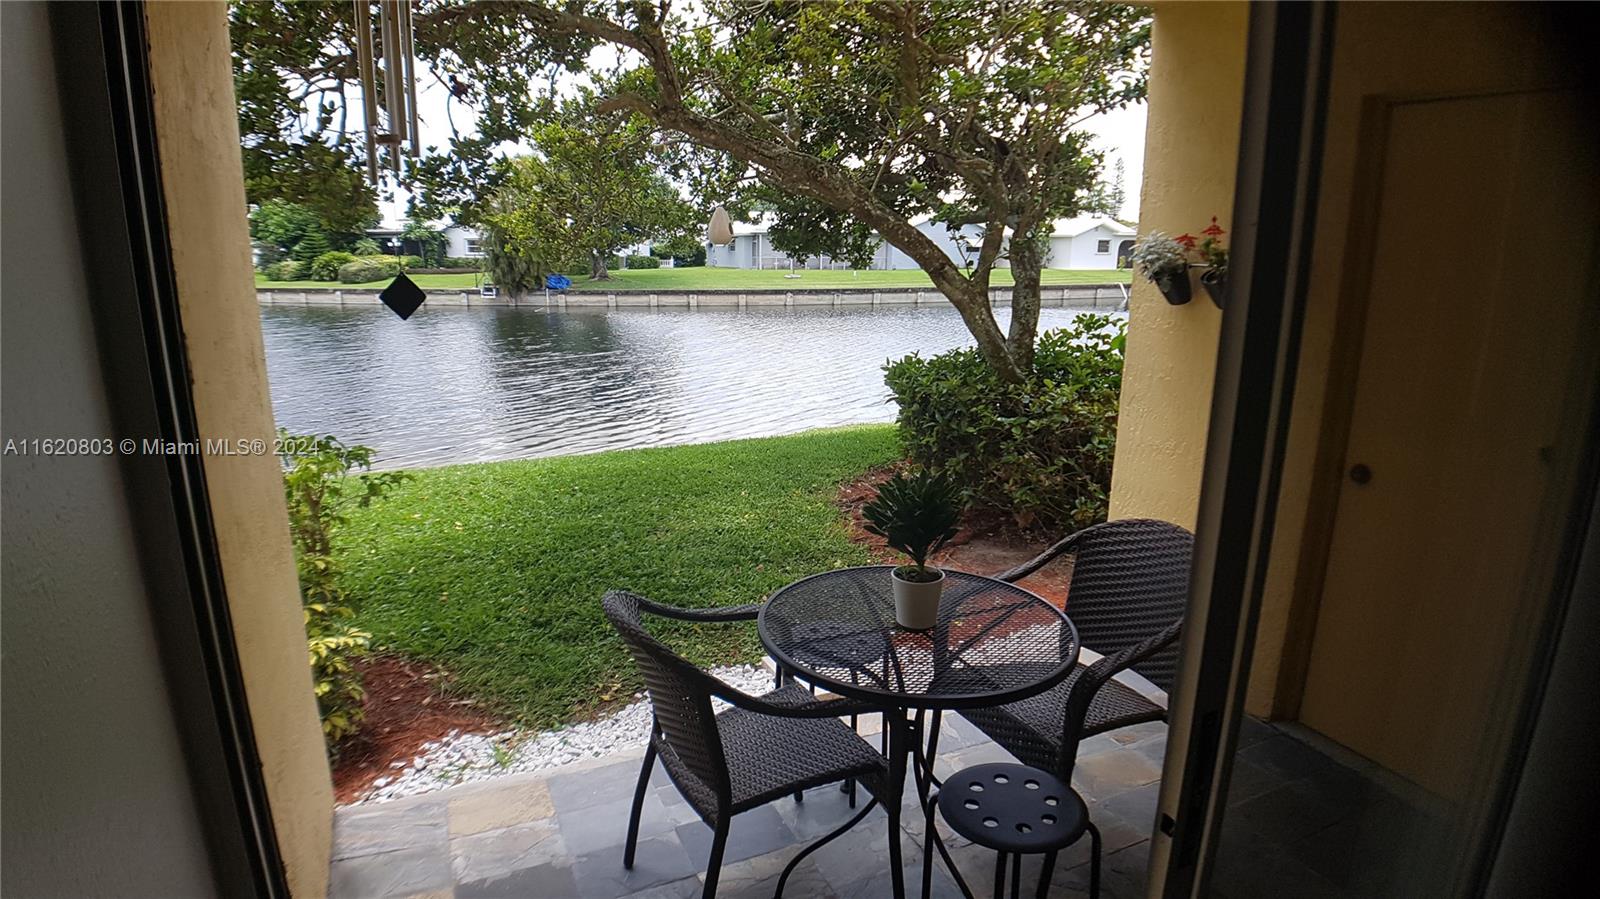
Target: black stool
(1015, 810)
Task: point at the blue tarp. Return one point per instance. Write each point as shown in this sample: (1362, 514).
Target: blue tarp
(557, 282)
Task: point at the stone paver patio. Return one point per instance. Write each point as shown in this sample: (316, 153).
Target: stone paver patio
(559, 834)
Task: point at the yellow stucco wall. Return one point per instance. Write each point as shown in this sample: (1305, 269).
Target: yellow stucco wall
(203, 183)
(1191, 151)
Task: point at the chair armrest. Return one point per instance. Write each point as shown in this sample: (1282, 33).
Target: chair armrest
(723, 613)
(809, 707)
(1095, 675)
(1063, 545)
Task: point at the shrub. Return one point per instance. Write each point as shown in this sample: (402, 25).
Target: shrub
(1041, 450)
(326, 266)
(319, 489)
(366, 246)
(312, 245)
(473, 263)
(369, 268)
(283, 270)
(643, 262)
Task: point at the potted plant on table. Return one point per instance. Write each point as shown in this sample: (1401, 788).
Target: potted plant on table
(1164, 261)
(916, 515)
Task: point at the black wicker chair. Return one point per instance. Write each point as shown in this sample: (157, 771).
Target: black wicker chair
(1130, 582)
(759, 750)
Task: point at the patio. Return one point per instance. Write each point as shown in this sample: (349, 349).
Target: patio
(560, 833)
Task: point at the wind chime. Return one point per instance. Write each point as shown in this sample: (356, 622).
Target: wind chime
(394, 131)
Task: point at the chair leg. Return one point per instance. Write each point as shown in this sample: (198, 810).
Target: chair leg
(1044, 875)
(719, 842)
(1094, 861)
(795, 862)
(638, 804)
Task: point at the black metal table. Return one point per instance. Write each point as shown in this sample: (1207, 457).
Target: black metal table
(993, 643)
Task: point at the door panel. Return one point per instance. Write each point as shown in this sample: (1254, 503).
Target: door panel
(1480, 287)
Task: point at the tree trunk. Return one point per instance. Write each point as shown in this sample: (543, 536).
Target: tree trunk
(1027, 259)
(597, 267)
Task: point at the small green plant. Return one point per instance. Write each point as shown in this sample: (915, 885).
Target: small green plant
(916, 515)
(1211, 251)
(319, 489)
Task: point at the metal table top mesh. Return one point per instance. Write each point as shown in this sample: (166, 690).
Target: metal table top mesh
(994, 642)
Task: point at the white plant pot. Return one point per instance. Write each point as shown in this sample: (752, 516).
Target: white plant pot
(916, 604)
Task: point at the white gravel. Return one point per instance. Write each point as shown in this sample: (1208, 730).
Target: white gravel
(466, 758)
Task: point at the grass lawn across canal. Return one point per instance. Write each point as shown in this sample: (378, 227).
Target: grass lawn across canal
(494, 571)
(706, 278)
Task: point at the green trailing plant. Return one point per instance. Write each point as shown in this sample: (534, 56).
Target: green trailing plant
(1039, 451)
(320, 487)
(915, 514)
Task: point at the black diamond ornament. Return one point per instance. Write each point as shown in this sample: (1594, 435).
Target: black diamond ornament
(403, 296)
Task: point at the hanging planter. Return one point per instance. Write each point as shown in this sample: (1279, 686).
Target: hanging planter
(1163, 261)
(1175, 286)
(1215, 281)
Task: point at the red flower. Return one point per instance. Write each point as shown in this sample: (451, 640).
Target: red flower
(1186, 239)
(1213, 230)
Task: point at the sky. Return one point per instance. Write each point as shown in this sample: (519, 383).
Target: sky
(1119, 135)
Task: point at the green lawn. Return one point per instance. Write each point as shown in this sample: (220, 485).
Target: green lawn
(495, 571)
(704, 278)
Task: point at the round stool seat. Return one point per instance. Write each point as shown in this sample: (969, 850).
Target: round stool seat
(1013, 808)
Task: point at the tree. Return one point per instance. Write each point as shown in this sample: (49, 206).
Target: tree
(867, 116)
(591, 189)
(1109, 193)
(880, 112)
(281, 224)
(430, 242)
(314, 244)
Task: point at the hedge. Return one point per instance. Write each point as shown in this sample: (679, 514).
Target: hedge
(1039, 451)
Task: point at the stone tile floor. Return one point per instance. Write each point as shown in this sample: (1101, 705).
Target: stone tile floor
(1299, 824)
(559, 834)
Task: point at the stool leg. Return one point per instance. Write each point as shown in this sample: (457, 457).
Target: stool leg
(927, 847)
(1094, 861)
(1044, 875)
(1000, 875)
(1016, 875)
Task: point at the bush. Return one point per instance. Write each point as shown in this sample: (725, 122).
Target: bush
(643, 262)
(283, 270)
(472, 263)
(366, 246)
(326, 266)
(1040, 451)
(369, 268)
(319, 489)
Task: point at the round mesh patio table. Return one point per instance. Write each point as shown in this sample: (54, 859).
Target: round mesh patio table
(993, 642)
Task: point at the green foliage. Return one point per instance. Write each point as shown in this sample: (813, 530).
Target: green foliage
(514, 266)
(686, 250)
(636, 261)
(315, 243)
(1157, 256)
(366, 246)
(374, 268)
(473, 263)
(593, 188)
(1040, 450)
(285, 270)
(281, 224)
(494, 572)
(431, 241)
(320, 490)
(326, 266)
(915, 514)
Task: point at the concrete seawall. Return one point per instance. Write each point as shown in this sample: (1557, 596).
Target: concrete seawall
(1082, 296)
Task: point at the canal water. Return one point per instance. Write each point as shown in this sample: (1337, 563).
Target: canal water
(473, 385)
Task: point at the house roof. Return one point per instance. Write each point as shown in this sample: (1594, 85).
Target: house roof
(1072, 227)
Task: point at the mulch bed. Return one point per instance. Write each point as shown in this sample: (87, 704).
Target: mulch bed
(988, 542)
(407, 707)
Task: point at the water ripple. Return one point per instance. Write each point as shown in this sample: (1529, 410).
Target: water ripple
(473, 385)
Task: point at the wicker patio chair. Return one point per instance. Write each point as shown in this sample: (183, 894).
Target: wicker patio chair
(762, 748)
(1130, 582)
